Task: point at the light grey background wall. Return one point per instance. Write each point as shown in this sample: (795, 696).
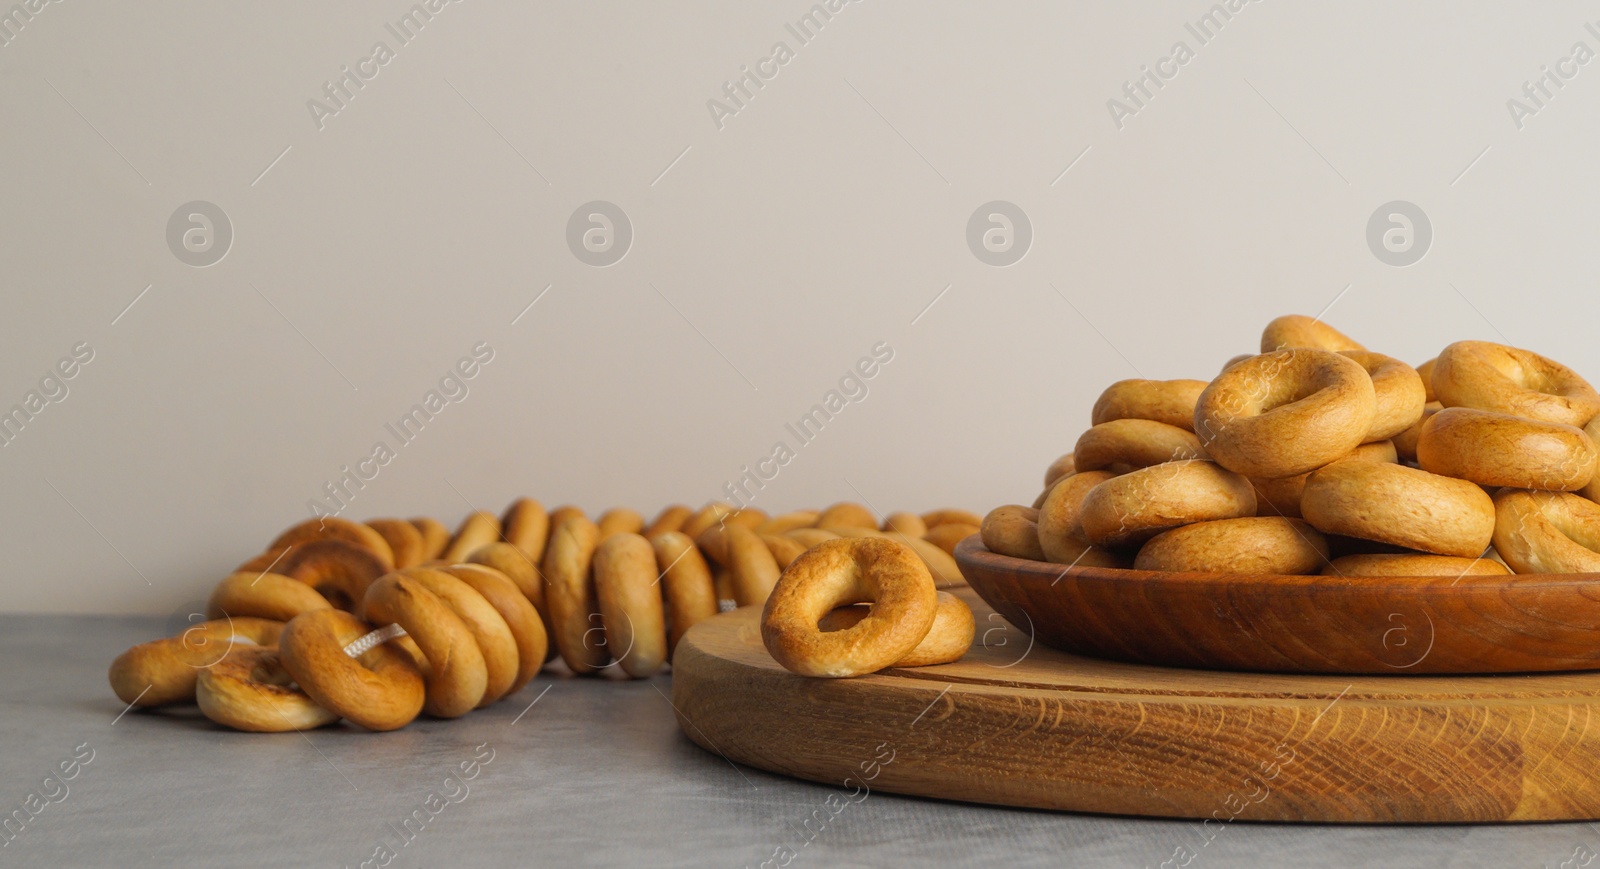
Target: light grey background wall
(375, 243)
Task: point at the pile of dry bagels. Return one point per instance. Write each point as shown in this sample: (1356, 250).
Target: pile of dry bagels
(380, 621)
(1319, 456)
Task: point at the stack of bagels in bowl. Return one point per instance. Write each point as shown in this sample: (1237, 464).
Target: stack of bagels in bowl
(1319, 456)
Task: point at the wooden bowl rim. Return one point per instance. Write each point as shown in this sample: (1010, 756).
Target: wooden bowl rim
(971, 550)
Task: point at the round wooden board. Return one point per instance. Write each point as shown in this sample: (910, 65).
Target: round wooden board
(1017, 723)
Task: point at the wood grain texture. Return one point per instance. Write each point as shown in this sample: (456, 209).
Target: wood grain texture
(1024, 725)
(1298, 624)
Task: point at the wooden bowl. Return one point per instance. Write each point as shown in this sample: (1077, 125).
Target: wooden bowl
(1297, 624)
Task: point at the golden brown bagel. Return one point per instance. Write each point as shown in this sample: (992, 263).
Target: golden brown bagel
(1065, 465)
(1012, 530)
(711, 514)
(1060, 520)
(513, 561)
(339, 570)
(1253, 544)
(263, 595)
(1134, 507)
(526, 526)
(671, 518)
(1495, 449)
(249, 690)
(1403, 564)
(334, 528)
(381, 689)
(1488, 376)
(164, 671)
(1285, 413)
(809, 537)
(562, 514)
(947, 641)
(519, 614)
(686, 581)
(1281, 496)
(1405, 443)
(435, 537)
(1425, 371)
(946, 573)
(786, 522)
(619, 520)
(1398, 505)
(1398, 393)
(574, 610)
(753, 567)
(1137, 443)
(784, 549)
(630, 603)
(946, 516)
(1547, 532)
(1168, 401)
(457, 675)
(848, 514)
(1297, 331)
(946, 536)
(904, 523)
(405, 541)
(1592, 491)
(476, 530)
(497, 644)
(839, 573)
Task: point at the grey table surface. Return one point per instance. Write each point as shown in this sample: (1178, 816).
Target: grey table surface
(595, 773)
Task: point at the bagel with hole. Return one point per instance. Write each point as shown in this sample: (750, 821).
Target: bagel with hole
(1487, 376)
(164, 671)
(339, 570)
(839, 573)
(380, 689)
(250, 690)
(335, 528)
(1285, 413)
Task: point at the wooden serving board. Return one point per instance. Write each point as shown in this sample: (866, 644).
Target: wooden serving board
(1017, 723)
